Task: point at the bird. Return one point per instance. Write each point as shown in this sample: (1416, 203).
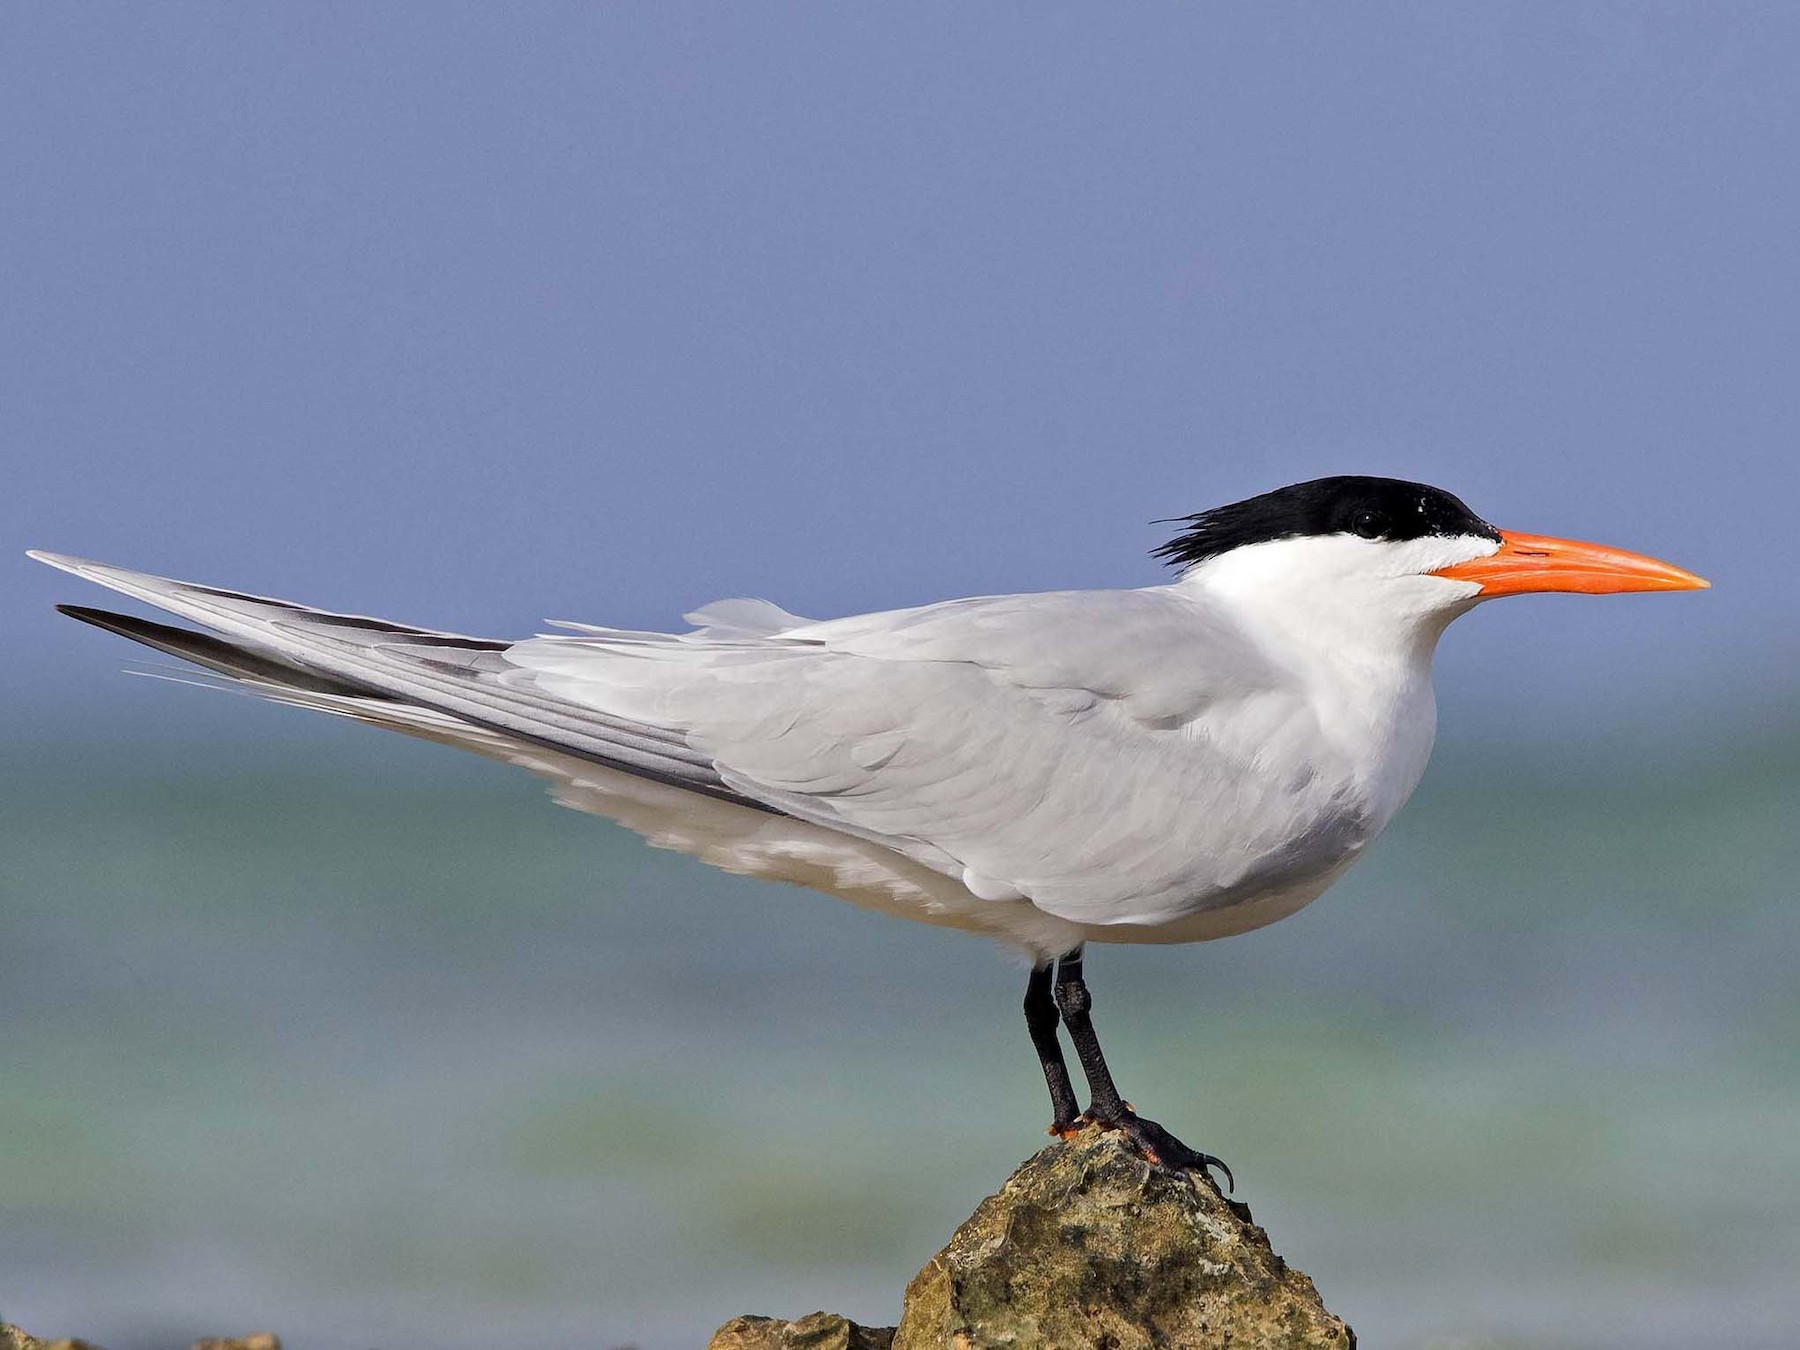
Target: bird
(1177, 763)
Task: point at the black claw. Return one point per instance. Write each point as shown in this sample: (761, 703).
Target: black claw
(1163, 1149)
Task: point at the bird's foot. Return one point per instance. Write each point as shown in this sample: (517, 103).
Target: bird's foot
(1160, 1148)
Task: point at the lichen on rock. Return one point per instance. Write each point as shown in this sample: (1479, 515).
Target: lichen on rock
(818, 1331)
(1088, 1247)
(15, 1338)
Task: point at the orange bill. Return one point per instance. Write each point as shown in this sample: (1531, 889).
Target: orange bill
(1538, 562)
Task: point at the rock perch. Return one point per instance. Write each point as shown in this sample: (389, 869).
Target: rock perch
(12, 1338)
(1086, 1247)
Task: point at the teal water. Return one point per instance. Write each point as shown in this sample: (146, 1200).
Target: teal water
(354, 1039)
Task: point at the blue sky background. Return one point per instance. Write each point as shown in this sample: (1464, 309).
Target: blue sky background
(476, 315)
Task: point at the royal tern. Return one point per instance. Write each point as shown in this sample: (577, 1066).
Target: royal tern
(1172, 764)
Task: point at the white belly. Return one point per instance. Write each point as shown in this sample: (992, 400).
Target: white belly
(779, 848)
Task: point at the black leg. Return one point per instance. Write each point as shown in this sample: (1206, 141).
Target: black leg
(1040, 1018)
(1106, 1107)
(1073, 999)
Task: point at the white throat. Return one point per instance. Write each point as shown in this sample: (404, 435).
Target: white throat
(1357, 622)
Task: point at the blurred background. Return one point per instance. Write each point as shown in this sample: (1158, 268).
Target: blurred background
(474, 316)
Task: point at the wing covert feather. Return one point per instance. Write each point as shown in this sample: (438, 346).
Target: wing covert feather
(1065, 746)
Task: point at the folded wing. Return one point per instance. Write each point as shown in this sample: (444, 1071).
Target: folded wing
(1070, 749)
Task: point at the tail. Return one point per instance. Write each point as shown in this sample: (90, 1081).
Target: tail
(442, 686)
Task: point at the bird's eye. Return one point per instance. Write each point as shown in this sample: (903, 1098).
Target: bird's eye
(1367, 523)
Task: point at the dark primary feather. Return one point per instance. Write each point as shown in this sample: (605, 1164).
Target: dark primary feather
(215, 654)
(277, 642)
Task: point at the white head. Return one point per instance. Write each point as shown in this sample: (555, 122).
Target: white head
(1377, 565)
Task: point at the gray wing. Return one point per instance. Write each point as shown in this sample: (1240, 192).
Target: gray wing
(1071, 748)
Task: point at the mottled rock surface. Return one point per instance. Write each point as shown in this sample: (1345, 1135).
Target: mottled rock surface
(819, 1331)
(12, 1338)
(1087, 1247)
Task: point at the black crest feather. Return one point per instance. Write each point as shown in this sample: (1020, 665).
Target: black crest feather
(1374, 508)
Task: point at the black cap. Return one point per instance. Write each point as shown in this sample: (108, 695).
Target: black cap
(1371, 508)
